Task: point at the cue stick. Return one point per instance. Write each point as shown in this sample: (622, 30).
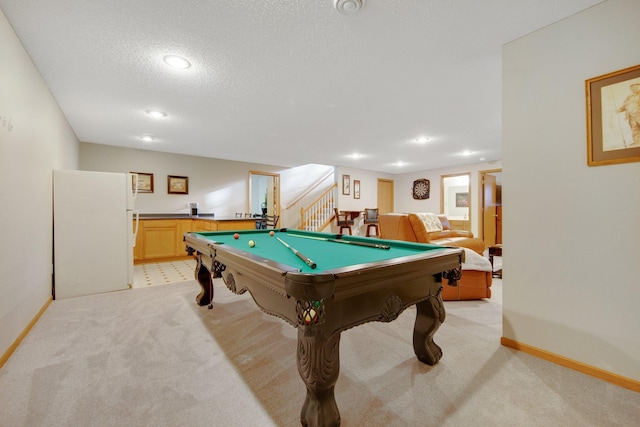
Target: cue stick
(366, 244)
(298, 254)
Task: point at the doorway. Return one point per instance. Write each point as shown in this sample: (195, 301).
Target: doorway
(491, 206)
(455, 200)
(264, 193)
(385, 201)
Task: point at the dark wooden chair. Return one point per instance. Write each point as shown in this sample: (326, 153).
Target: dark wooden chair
(371, 220)
(343, 221)
(271, 221)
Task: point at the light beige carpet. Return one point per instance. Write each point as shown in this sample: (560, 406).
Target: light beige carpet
(152, 357)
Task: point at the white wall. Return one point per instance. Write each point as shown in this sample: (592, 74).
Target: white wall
(404, 184)
(404, 201)
(368, 188)
(218, 186)
(368, 194)
(35, 138)
(571, 232)
(222, 186)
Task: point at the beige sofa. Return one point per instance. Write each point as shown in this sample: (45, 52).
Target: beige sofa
(476, 270)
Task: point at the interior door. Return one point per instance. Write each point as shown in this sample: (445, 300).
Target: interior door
(385, 196)
(489, 207)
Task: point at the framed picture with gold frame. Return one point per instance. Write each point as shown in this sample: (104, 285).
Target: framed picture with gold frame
(177, 184)
(356, 188)
(144, 182)
(346, 185)
(613, 117)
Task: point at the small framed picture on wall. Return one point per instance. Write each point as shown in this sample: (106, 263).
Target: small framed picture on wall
(356, 188)
(144, 182)
(177, 184)
(346, 185)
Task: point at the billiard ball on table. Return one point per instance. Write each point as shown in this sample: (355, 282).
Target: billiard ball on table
(251, 243)
(236, 236)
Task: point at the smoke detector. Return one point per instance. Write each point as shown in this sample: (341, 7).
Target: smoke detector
(348, 7)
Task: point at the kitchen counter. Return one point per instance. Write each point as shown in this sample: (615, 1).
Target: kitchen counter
(184, 216)
(160, 235)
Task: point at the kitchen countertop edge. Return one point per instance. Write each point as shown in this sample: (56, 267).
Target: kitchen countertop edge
(187, 216)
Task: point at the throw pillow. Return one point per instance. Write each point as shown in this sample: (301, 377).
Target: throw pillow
(444, 221)
(431, 222)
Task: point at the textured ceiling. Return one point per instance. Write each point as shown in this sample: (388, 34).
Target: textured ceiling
(285, 82)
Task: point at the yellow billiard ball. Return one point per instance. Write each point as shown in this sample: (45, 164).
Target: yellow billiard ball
(251, 243)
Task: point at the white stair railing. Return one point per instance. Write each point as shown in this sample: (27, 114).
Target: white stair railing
(319, 214)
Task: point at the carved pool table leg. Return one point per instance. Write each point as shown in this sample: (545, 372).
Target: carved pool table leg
(319, 366)
(205, 279)
(430, 314)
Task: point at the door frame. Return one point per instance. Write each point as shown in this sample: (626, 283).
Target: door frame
(275, 196)
(453, 175)
(390, 184)
(481, 205)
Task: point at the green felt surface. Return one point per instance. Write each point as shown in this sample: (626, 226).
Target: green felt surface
(327, 255)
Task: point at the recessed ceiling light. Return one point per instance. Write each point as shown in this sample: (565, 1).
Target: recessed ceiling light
(356, 156)
(176, 61)
(399, 164)
(422, 140)
(147, 138)
(348, 7)
(467, 153)
(156, 114)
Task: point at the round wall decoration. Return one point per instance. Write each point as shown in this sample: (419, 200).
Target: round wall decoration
(421, 188)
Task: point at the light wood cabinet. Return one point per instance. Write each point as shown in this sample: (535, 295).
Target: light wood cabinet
(184, 226)
(138, 250)
(223, 225)
(202, 225)
(240, 224)
(460, 224)
(162, 239)
(159, 238)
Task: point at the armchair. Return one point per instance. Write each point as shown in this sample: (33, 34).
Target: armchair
(371, 220)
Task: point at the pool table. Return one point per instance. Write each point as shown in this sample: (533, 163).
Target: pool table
(349, 281)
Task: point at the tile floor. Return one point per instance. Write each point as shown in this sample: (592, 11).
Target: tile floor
(161, 273)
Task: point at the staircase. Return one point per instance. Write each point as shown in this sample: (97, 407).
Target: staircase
(319, 214)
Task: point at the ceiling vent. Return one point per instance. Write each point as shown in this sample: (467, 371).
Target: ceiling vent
(348, 7)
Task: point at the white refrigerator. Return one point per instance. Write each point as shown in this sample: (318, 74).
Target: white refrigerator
(93, 232)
